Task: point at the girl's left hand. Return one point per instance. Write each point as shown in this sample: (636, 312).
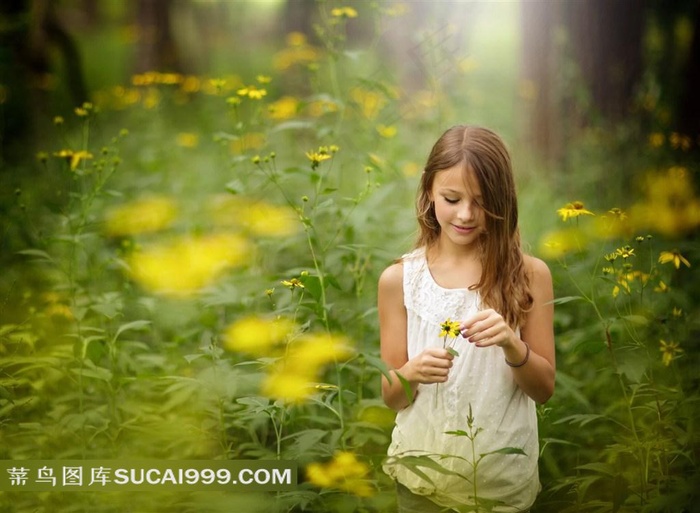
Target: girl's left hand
(487, 328)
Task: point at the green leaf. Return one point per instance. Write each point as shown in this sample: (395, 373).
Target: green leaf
(189, 358)
(235, 186)
(505, 450)
(637, 320)
(415, 463)
(108, 310)
(133, 325)
(378, 363)
(406, 387)
(304, 442)
(292, 125)
(256, 404)
(566, 299)
(41, 255)
(457, 432)
(94, 372)
(312, 284)
(600, 468)
(332, 281)
(452, 351)
(580, 418)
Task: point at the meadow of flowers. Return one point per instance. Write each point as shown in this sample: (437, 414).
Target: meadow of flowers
(191, 273)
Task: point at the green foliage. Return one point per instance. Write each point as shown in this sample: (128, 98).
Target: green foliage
(131, 257)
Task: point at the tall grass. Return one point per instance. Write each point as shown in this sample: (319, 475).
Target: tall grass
(190, 274)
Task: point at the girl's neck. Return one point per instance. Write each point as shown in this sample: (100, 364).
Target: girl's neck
(454, 267)
(445, 251)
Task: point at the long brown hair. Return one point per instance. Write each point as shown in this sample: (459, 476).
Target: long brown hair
(504, 285)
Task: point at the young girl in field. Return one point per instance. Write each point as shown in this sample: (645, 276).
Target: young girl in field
(468, 268)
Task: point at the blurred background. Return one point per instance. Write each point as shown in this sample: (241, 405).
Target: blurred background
(197, 192)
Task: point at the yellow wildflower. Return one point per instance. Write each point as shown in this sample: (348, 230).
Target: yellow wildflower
(217, 83)
(284, 108)
(370, 102)
(74, 157)
(625, 252)
(656, 139)
(675, 257)
(144, 215)
(257, 218)
(680, 141)
(573, 209)
(623, 286)
(669, 351)
(387, 131)
(293, 377)
(618, 213)
(287, 385)
(558, 243)
(661, 287)
(669, 204)
(318, 108)
(317, 349)
(296, 39)
(77, 157)
(411, 169)
(263, 79)
(256, 334)
(187, 264)
(293, 283)
(344, 472)
(252, 92)
(316, 158)
(187, 140)
(344, 12)
(449, 328)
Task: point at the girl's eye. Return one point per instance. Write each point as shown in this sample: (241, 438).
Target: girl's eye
(451, 201)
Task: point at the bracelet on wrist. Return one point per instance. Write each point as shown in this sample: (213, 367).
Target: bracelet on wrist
(527, 357)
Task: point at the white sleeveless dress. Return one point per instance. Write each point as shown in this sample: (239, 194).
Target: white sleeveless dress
(504, 414)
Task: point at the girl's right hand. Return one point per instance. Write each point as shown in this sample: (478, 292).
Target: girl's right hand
(431, 366)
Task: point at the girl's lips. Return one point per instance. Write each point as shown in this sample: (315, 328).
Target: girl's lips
(463, 229)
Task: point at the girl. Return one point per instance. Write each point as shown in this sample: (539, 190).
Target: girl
(468, 267)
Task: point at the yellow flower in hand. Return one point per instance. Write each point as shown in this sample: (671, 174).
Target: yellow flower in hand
(449, 328)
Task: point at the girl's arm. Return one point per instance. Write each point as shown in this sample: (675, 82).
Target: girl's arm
(536, 376)
(431, 366)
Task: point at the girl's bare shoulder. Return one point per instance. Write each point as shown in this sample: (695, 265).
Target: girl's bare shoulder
(538, 271)
(392, 277)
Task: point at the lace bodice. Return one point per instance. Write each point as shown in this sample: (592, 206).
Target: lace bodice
(479, 379)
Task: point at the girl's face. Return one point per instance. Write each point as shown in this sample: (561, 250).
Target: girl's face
(457, 198)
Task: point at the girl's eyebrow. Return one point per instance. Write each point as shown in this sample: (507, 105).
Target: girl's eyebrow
(455, 191)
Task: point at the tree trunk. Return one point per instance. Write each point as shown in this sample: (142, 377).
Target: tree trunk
(689, 105)
(156, 49)
(299, 16)
(606, 40)
(539, 94)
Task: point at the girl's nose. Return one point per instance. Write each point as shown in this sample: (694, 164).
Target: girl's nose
(466, 211)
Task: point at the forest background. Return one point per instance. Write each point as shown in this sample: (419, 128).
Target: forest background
(198, 197)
